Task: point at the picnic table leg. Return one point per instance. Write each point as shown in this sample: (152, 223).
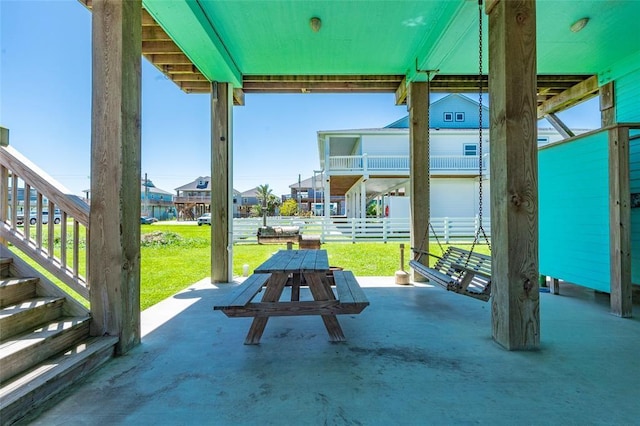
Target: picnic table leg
(321, 290)
(295, 287)
(272, 293)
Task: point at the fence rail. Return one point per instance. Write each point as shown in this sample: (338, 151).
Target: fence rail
(339, 229)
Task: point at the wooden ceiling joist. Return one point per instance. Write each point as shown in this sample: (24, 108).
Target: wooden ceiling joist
(577, 93)
(320, 83)
(155, 34)
(159, 47)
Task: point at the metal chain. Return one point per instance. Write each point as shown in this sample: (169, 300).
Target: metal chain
(480, 226)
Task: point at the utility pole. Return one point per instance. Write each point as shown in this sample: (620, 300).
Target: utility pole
(146, 195)
(299, 196)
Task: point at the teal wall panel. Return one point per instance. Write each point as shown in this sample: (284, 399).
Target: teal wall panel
(627, 90)
(634, 172)
(574, 211)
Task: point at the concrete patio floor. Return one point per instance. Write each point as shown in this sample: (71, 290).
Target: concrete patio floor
(416, 355)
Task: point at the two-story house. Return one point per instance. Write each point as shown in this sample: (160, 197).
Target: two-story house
(309, 194)
(194, 199)
(155, 202)
(364, 165)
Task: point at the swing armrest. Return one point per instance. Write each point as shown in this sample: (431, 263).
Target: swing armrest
(421, 252)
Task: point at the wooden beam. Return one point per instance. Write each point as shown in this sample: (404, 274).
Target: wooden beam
(154, 33)
(401, 92)
(608, 105)
(238, 96)
(620, 222)
(114, 240)
(221, 192)
(515, 305)
(169, 59)
(160, 47)
(559, 125)
(576, 94)
(171, 69)
(4, 136)
(320, 83)
(418, 104)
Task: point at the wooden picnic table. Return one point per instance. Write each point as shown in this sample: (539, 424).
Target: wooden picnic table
(292, 266)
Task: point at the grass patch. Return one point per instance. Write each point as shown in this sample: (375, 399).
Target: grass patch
(176, 256)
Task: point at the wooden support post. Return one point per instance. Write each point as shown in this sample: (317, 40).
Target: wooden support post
(514, 175)
(4, 136)
(4, 184)
(608, 105)
(221, 182)
(620, 222)
(418, 105)
(554, 286)
(114, 220)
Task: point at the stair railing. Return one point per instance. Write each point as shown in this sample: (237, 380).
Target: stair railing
(28, 198)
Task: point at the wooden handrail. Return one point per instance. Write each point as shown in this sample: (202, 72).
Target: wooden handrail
(37, 178)
(18, 173)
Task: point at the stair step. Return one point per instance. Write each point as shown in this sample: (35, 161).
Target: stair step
(13, 290)
(20, 395)
(5, 263)
(26, 350)
(28, 315)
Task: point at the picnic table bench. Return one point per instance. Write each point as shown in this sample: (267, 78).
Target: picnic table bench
(458, 270)
(290, 266)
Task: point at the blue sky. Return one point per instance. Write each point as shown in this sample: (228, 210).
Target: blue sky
(45, 101)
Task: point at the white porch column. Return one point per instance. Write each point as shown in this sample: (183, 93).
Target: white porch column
(363, 199)
(327, 177)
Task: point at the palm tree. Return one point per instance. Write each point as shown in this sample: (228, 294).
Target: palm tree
(264, 193)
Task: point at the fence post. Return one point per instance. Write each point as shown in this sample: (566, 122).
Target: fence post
(353, 229)
(385, 230)
(476, 224)
(446, 230)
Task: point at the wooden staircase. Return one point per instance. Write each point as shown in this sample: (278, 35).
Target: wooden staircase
(44, 341)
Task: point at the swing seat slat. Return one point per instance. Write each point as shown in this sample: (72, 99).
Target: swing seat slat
(458, 270)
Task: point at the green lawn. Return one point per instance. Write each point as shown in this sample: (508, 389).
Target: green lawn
(176, 256)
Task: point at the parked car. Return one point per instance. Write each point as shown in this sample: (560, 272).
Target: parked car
(144, 220)
(205, 219)
(45, 218)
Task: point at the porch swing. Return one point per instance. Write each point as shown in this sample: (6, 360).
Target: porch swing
(462, 271)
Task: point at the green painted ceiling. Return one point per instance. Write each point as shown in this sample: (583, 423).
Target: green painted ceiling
(229, 39)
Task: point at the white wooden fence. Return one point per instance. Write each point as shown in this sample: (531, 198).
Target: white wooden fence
(334, 229)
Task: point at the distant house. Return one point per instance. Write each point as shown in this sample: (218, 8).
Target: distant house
(246, 200)
(194, 199)
(372, 165)
(155, 202)
(309, 195)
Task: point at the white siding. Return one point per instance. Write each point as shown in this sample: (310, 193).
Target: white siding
(385, 144)
(458, 197)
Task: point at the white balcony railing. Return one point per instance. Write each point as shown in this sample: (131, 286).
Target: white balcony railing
(400, 163)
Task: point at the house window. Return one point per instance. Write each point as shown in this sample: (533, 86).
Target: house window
(470, 149)
(202, 184)
(459, 116)
(543, 141)
(448, 116)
